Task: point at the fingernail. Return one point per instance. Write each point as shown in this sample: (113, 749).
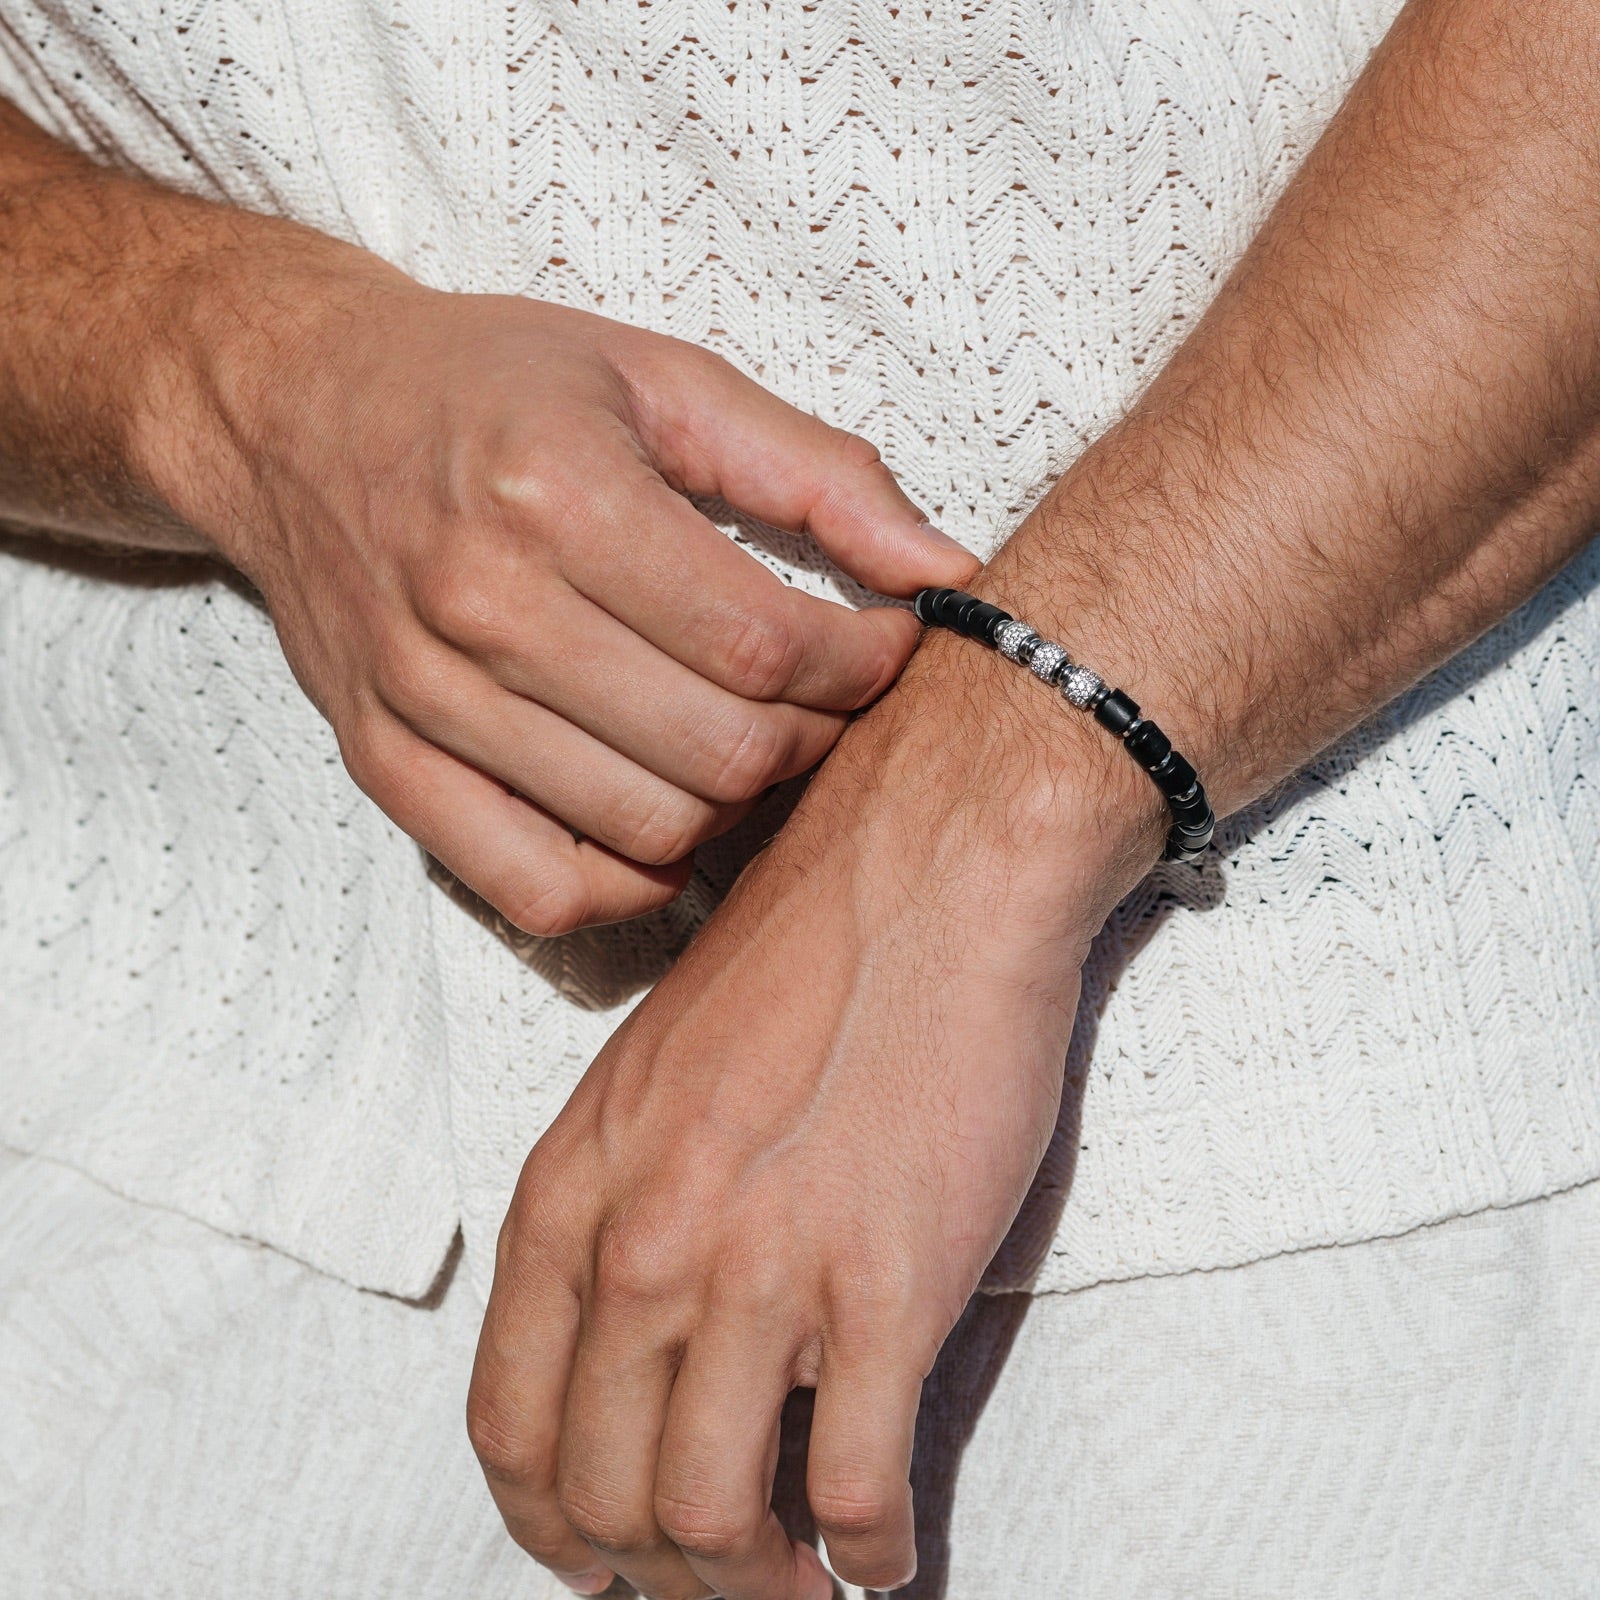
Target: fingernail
(589, 1582)
(938, 536)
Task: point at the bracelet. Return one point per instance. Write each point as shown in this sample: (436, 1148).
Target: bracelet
(1193, 822)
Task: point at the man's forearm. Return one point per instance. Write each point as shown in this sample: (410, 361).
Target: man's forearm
(1383, 436)
(119, 301)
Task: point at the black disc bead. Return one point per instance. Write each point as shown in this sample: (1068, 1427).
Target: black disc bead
(1117, 712)
(1147, 744)
(981, 619)
(1174, 776)
(959, 611)
(1184, 852)
(963, 614)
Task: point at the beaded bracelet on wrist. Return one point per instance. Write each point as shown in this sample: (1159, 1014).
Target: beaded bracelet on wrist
(1192, 820)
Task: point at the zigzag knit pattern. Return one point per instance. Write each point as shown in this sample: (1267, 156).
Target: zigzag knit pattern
(969, 232)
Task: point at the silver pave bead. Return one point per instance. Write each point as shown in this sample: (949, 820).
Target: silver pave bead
(1080, 687)
(1047, 660)
(1011, 636)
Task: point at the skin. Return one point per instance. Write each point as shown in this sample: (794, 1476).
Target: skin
(1384, 435)
(467, 515)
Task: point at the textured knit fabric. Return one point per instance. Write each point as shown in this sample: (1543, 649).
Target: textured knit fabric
(189, 1417)
(968, 232)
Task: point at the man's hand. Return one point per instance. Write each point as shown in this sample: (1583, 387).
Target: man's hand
(792, 1163)
(790, 1166)
(465, 515)
(468, 517)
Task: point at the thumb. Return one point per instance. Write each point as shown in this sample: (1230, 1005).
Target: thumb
(714, 431)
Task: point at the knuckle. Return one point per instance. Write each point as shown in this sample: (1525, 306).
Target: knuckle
(851, 1508)
(761, 655)
(702, 1528)
(638, 1264)
(886, 644)
(503, 1449)
(668, 825)
(546, 1545)
(548, 1213)
(552, 903)
(508, 1244)
(384, 770)
(880, 667)
(529, 489)
(871, 653)
(468, 607)
(856, 451)
(890, 1290)
(523, 1244)
(751, 758)
(365, 752)
(413, 681)
(875, 1299)
(756, 1281)
(602, 1518)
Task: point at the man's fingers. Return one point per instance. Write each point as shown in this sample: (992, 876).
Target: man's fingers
(522, 860)
(514, 1410)
(616, 1405)
(858, 1471)
(727, 435)
(566, 771)
(695, 594)
(602, 677)
(713, 1490)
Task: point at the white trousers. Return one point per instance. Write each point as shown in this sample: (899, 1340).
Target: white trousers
(186, 1415)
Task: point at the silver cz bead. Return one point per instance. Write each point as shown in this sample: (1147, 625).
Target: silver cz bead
(1011, 636)
(1047, 660)
(1080, 686)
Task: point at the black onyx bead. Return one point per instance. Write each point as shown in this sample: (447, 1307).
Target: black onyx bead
(962, 611)
(1175, 776)
(959, 611)
(1147, 744)
(1117, 712)
(945, 605)
(977, 618)
(986, 620)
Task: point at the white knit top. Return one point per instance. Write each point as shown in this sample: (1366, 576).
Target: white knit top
(967, 231)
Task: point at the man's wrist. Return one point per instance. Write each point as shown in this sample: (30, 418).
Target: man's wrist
(979, 762)
(986, 738)
(243, 318)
